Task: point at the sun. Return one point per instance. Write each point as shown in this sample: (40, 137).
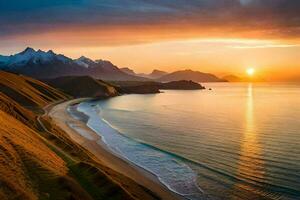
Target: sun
(250, 71)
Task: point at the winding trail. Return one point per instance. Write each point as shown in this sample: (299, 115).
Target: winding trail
(58, 149)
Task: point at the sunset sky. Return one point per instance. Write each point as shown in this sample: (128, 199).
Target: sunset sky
(218, 36)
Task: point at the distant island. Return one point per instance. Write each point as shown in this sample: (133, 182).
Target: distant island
(133, 87)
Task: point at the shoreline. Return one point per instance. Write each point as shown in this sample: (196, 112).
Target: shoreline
(86, 137)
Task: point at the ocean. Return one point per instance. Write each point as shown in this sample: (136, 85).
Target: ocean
(236, 141)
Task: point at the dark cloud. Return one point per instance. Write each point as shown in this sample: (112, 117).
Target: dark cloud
(280, 16)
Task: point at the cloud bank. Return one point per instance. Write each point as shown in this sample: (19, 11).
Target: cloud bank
(242, 18)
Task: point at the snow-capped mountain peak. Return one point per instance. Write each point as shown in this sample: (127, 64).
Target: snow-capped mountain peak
(23, 57)
(84, 61)
(29, 55)
(107, 65)
(50, 52)
(27, 51)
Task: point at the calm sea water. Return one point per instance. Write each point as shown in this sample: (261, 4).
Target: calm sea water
(237, 141)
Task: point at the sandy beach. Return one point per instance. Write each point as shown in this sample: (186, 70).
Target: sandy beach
(81, 134)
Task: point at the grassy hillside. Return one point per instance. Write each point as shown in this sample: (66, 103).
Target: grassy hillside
(42, 162)
(27, 91)
(14, 109)
(26, 162)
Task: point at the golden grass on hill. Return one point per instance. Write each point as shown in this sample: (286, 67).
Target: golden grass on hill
(12, 108)
(22, 151)
(27, 91)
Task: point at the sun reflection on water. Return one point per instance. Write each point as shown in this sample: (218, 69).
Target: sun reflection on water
(250, 165)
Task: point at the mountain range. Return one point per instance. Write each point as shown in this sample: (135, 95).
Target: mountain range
(161, 76)
(48, 65)
(42, 65)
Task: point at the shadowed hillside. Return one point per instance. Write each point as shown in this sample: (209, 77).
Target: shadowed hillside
(83, 86)
(151, 87)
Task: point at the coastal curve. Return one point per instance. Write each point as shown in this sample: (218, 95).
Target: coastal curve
(83, 135)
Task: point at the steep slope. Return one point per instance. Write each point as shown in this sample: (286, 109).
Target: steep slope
(195, 76)
(22, 155)
(105, 70)
(42, 65)
(27, 91)
(14, 109)
(83, 86)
